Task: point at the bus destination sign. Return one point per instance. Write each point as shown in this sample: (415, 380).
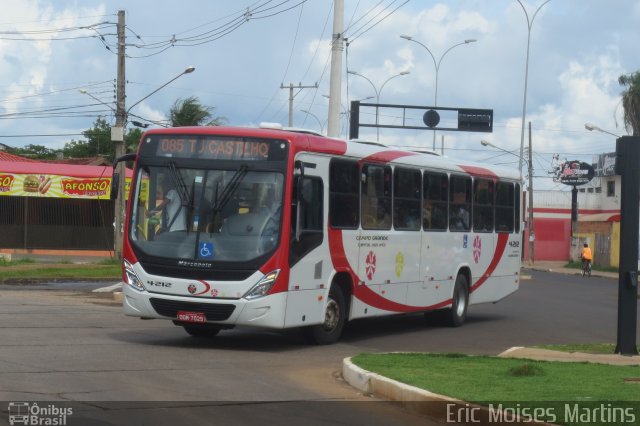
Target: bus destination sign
(219, 148)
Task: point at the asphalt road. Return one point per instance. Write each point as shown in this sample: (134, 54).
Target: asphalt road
(63, 345)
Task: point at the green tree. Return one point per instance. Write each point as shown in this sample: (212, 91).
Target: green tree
(35, 151)
(132, 139)
(190, 112)
(98, 142)
(631, 101)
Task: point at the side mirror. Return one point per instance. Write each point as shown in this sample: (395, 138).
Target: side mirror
(115, 185)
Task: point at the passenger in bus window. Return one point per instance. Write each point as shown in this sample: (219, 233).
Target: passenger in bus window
(459, 220)
(174, 217)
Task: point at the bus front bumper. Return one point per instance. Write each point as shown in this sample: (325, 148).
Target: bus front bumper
(267, 311)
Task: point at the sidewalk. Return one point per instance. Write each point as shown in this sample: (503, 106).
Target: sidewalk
(559, 267)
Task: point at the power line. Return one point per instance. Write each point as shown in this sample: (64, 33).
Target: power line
(41, 135)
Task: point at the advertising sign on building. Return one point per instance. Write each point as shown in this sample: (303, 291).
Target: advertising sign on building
(575, 173)
(56, 186)
(606, 164)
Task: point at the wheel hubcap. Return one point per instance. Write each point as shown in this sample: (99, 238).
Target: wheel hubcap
(331, 315)
(460, 303)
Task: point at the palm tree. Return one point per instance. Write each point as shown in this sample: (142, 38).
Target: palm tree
(631, 101)
(190, 112)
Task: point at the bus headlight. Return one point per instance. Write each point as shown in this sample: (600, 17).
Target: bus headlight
(132, 278)
(263, 286)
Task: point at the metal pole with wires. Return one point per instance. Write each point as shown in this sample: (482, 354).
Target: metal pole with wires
(117, 136)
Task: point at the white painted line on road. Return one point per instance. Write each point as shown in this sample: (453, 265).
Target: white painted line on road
(515, 348)
(108, 289)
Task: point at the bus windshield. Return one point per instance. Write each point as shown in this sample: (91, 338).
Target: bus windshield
(206, 214)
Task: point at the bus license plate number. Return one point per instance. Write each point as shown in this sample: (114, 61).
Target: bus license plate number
(191, 316)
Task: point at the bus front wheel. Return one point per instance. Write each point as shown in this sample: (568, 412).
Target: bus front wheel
(334, 319)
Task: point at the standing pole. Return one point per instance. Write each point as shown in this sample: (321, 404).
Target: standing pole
(335, 79)
(290, 105)
(627, 159)
(532, 236)
(292, 96)
(117, 136)
(526, 73)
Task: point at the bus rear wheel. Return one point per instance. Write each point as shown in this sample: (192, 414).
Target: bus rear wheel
(201, 330)
(334, 319)
(457, 314)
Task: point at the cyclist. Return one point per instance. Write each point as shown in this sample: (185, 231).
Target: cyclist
(587, 257)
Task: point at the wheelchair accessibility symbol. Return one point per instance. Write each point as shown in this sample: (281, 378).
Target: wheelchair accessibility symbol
(205, 250)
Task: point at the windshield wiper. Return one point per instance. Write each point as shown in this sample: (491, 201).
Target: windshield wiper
(179, 184)
(230, 188)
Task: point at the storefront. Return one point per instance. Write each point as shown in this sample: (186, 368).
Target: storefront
(55, 206)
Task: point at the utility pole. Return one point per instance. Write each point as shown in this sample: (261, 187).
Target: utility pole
(117, 136)
(532, 236)
(627, 158)
(335, 79)
(292, 95)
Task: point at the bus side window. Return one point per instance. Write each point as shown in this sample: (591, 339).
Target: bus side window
(504, 207)
(436, 198)
(376, 197)
(407, 196)
(483, 205)
(517, 205)
(311, 201)
(344, 194)
(460, 203)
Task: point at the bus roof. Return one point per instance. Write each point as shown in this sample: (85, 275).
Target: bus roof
(303, 140)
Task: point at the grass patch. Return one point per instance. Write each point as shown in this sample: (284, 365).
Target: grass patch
(482, 379)
(21, 271)
(110, 261)
(25, 260)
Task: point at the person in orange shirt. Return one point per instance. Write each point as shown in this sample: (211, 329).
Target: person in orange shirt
(586, 255)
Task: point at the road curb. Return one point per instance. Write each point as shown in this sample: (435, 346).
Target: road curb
(374, 384)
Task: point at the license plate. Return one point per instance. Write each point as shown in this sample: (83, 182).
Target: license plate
(191, 316)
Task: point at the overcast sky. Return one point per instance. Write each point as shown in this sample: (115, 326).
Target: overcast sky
(244, 50)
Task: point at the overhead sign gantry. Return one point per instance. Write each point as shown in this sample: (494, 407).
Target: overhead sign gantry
(468, 119)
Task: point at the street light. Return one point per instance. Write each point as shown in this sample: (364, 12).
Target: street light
(531, 233)
(86, 92)
(345, 112)
(526, 73)
(378, 92)
(316, 117)
(188, 70)
(437, 66)
(591, 127)
(117, 136)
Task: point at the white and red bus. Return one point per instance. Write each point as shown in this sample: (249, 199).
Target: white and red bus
(277, 229)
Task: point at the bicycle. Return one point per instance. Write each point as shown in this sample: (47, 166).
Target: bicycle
(586, 268)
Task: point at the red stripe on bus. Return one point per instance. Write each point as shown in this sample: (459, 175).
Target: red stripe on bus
(478, 171)
(363, 292)
(371, 298)
(385, 156)
(501, 244)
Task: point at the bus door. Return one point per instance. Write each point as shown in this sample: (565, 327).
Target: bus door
(405, 243)
(379, 244)
(308, 253)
